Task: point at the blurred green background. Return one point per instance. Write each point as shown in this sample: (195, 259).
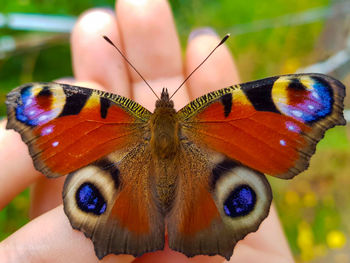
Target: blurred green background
(268, 38)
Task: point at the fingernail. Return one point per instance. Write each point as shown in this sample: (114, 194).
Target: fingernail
(65, 80)
(202, 31)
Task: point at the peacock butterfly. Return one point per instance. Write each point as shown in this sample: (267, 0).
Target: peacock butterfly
(198, 172)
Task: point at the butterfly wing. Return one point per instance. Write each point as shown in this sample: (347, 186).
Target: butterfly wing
(217, 203)
(114, 203)
(101, 141)
(232, 136)
(270, 125)
(68, 127)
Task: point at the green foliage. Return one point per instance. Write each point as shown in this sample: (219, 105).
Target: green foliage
(258, 54)
(57, 7)
(335, 139)
(14, 215)
(313, 208)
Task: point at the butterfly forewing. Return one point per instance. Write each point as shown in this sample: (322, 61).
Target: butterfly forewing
(68, 127)
(271, 125)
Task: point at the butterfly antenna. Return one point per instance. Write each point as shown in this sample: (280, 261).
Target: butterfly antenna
(218, 45)
(121, 53)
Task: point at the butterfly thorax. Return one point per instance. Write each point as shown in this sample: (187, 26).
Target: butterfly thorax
(164, 128)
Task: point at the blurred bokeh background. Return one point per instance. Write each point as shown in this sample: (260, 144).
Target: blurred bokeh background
(267, 38)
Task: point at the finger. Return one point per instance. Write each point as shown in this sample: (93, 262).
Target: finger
(152, 45)
(93, 58)
(268, 243)
(171, 256)
(217, 72)
(249, 254)
(17, 170)
(50, 238)
(45, 194)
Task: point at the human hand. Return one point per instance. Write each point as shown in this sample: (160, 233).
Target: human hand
(146, 33)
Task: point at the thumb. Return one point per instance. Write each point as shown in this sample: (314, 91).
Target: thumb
(50, 238)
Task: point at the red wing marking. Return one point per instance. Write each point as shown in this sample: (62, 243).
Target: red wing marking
(199, 212)
(68, 143)
(130, 212)
(268, 142)
(297, 97)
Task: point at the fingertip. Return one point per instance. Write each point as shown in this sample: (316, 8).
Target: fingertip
(206, 31)
(94, 60)
(150, 39)
(94, 21)
(152, 45)
(72, 81)
(66, 80)
(217, 72)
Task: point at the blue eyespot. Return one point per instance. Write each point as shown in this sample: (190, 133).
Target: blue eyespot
(35, 109)
(26, 97)
(316, 104)
(90, 200)
(240, 202)
(321, 95)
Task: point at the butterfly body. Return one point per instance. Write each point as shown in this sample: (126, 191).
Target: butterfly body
(165, 129)
(164, 146)
(199, 172)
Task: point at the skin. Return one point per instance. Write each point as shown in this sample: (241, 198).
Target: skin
(154, 49)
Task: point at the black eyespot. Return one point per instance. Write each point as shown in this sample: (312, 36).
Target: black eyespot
(240, 202)
(45, 92)
(90, 200)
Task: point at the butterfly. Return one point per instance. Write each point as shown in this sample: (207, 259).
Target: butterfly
(198, 172)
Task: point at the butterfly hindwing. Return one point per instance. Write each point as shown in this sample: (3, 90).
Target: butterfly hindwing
(271, 125)
(112, 201)
(68, 127)
(217, 203)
